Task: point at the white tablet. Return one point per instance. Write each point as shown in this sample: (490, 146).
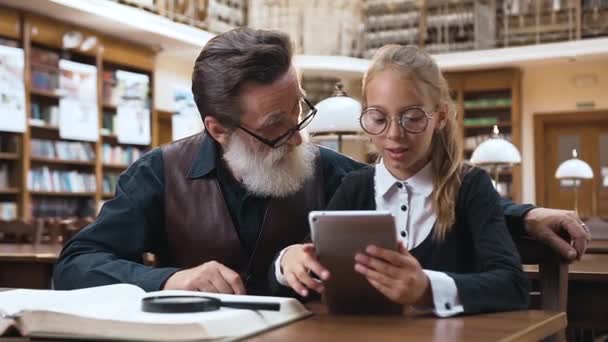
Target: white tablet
(338, 236)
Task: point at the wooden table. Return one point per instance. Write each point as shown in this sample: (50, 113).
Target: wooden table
(507, 326)
(26, 265)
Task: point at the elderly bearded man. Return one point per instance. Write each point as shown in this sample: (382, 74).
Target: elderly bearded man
(217, 208)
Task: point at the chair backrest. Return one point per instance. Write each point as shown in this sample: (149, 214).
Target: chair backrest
(597, 227)
(551, 277)
(21, 231)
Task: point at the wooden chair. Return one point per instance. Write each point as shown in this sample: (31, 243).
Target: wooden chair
(21, 231)
(551, 279)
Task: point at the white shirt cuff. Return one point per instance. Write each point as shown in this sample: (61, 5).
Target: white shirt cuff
(445, 294)
(277, 269)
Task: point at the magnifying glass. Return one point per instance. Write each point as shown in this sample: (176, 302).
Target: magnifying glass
(182, 304)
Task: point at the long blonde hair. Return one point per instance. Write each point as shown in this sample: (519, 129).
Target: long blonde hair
(446, 145)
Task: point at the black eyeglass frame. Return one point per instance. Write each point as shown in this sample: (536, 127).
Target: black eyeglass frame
(428, 116)
(283, 138)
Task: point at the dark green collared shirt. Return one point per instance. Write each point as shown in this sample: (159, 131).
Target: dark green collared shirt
(110, 250)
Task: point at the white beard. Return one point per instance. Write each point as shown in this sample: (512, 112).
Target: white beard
(277, 173)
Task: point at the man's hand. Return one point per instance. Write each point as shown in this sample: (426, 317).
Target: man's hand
(208, 277)
(296, 263)
(544, 225)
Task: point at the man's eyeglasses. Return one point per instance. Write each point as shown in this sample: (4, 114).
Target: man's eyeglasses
(413, 120)
(283, 138)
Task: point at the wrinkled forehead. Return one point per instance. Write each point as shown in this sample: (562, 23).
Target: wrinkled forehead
(281, 95)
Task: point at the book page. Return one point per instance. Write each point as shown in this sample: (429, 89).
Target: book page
(122, 303)
(73, 302)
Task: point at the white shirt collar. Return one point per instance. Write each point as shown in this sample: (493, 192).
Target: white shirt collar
(421, 183)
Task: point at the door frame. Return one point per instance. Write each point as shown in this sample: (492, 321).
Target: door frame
(541, 120)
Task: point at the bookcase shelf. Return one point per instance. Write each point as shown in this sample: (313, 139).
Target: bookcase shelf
(486, 108)
(45, 93)
(9, 191)
(9, 156)
(485, 99)
(62, 194)
(62, 161)
(115, 167)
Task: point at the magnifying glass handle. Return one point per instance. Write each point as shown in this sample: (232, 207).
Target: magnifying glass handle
(252, 306)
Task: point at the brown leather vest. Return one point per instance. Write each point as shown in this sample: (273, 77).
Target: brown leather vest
(199, 227)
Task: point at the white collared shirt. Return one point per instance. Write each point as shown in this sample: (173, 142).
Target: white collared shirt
(410, 202)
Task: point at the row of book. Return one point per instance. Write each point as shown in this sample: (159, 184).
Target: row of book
(108, 123)
(8, 211)
(470, 143)
(109, 182)
(63, 150)
(487, 102)
(44, 115)
(480, 121)
(43, 179)
(9, 143)
(4, 176)
(61, 207)
(45, 69)
(120, 155)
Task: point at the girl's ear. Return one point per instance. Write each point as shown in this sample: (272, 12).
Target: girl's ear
(442, 116)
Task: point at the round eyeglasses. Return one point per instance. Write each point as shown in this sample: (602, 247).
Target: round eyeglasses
(413, 120)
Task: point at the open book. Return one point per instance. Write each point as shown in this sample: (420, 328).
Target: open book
(114, 312)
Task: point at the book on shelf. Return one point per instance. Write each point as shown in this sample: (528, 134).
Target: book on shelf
(120, 155)
(109, 182)
(62, 207)
(489, 102)
(44, 115)
(43, 179)
(113, 312)
(8, 211)
(45, 69)
(62, 150)
(4, 176)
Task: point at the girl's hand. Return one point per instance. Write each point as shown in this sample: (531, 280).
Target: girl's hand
(396, 274)
(296, 263)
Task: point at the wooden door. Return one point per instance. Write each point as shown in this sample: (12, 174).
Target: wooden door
(590, 139)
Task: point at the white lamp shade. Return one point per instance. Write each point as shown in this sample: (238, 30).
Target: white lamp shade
(574, 168)
(336, 114)
(496, 151)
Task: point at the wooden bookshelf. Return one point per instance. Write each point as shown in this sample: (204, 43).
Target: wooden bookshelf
(490, 91)
(32, 31)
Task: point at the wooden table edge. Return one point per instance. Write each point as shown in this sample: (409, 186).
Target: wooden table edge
(540, 330)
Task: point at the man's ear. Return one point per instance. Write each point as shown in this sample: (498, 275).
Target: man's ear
(218, 131)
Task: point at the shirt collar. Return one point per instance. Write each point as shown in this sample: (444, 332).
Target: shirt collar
(421, 183)
(206, 158)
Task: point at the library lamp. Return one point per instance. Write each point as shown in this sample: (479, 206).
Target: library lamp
(338, 114)
(496, 152)
(574, 169)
